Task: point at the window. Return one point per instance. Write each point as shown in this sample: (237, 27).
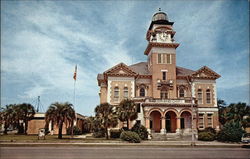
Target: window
(164, 59)
(200, 96)
(125, 91)
(142, 92)
(201, 121)
(181, 92)
(164, 94)
(159, 58)
(164, 75)
(116, 94)
(210, 120)
(168, 59)
(208, 95)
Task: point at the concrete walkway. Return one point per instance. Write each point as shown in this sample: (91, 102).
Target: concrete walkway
(122, 143)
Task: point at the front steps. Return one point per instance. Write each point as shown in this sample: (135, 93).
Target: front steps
(170, 137)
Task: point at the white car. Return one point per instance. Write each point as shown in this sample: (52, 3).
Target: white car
(245, 138)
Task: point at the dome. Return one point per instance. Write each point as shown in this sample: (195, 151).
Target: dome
(160, 16)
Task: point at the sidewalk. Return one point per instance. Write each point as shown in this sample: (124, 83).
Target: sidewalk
(121, 143)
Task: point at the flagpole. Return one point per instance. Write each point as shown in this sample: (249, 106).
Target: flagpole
(74, 100)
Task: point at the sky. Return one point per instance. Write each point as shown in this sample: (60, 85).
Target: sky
(42, 41)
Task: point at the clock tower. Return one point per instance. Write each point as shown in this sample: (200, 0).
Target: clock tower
(161, 52)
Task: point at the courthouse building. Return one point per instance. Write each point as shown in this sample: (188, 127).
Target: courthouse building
(167, 95)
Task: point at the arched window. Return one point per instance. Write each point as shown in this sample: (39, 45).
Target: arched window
(200, 100)
(208, 96)
(181, 92)
(125, 92)
(142, 92)
(116, 94)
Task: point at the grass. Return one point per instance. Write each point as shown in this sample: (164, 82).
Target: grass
(52, 138)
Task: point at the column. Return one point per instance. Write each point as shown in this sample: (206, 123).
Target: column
(163, 125)
(147, 124)
(178, 125)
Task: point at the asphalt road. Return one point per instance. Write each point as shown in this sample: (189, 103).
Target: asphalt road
(121, 153)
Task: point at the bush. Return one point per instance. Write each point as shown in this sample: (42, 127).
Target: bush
(206, 136)
(76, 131)
(115, 133)
(211, 130)
(231, 132)
(98, 133)
(130, 136)
(140, 130)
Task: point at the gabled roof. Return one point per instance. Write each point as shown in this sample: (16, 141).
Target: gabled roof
(181, 71)
(140, 68)
(205, 72)
(120, 68)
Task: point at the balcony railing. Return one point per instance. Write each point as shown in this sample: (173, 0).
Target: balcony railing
(186, 100)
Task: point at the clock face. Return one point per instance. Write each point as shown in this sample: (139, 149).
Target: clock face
(163, 36)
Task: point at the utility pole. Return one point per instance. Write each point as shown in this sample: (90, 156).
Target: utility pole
(38, 103)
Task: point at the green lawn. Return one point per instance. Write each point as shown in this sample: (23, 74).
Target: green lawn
(52, 138)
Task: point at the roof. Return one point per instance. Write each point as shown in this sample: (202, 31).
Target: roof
(140, 68)
(100, 77)
(180, 71)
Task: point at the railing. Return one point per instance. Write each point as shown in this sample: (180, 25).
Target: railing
(186, 100)
(170, 101)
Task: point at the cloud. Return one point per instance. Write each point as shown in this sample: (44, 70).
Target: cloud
(42, 41)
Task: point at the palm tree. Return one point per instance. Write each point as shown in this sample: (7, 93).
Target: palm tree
(127, 111)
(9, 116)
(25, 112)
(60, 113)
(106, 116)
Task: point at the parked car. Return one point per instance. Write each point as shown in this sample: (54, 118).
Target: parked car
(245, 138)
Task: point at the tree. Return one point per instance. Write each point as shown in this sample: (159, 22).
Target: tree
(25, 112)
(106, 117)
(9, 116)
(127, 111)
(236, 112)
(231, 131)
(222, 111)
(60, 113)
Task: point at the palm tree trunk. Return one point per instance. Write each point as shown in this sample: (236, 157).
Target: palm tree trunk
(106, 131)
(60, 130)
(128, 124)
(5, 129)
(26, 127)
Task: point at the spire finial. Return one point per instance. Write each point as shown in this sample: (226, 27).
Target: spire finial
(159, 9)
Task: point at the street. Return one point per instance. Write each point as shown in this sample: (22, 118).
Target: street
(97, 152)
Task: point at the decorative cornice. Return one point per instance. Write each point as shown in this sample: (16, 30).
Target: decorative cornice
(156, 44)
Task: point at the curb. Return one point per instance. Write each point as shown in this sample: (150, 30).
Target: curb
(120, 145)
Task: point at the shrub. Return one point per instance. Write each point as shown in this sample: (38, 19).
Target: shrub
(206, 136)
(115, 133)
(140, 130)
(130, 136)
(231, 132)
(211, 130)
(98, 133)
(76, 131)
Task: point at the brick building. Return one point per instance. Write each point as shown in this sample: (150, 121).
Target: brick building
(38, 122)
(167, 95)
